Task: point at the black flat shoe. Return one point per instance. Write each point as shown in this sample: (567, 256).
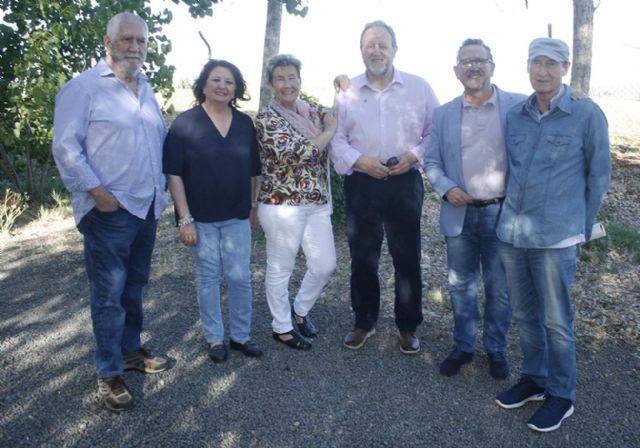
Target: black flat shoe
(218, 352)
(304, 324)
(249, 348)
(296, 340)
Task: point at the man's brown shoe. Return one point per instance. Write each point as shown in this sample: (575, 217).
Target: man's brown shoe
(356, 338)
(409, 343)
(143, 361)
(115, 394)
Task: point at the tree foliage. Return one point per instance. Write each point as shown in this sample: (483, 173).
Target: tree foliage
(45, 43)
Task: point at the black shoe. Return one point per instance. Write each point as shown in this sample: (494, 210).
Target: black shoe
(498, 365)
(452, 363)
(249, 348)
(409, 343)
(296, 340)
(304, 324)
(218, 352)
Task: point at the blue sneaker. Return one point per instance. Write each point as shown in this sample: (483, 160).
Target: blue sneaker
(550, 415)
(457, 358)
(524, 391)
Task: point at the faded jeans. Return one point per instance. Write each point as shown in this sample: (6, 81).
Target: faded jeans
(539, 282)
(117, 250)
(224, 248)
(476, 247)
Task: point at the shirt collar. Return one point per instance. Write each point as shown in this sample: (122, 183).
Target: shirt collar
(491, 102)
(559, 100)
(362, 81)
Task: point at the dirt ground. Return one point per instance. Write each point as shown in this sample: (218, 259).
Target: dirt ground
(47, 397)
(606, 291)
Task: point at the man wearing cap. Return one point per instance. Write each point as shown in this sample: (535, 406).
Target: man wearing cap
(559, 172)
(466, 162)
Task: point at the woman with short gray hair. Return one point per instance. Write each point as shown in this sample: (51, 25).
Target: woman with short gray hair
(294, 201)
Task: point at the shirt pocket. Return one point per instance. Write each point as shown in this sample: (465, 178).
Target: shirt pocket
(517, 148)
(561, 147)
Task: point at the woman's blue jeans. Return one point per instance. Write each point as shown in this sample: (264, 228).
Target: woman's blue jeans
(224, 248)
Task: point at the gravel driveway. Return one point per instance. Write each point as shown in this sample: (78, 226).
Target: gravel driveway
(326, 397)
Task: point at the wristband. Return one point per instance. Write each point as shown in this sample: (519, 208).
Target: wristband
(185, 220)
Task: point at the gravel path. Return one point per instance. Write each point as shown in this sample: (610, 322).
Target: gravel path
(327, 397)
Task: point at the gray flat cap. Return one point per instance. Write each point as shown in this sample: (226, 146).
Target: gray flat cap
(552, 48)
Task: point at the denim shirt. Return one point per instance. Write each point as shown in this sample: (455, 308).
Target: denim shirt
(559, 172)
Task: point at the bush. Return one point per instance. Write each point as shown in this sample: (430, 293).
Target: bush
(337, 197)
(12, 206)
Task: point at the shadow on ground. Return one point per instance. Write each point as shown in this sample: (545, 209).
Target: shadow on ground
(329, 396)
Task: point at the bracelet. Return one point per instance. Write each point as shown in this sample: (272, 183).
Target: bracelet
(185, 220)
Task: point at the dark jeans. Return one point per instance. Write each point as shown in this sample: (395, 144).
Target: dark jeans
(374, 207)
(117, 249)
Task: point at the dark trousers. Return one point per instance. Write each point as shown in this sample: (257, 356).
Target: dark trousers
(374, 207)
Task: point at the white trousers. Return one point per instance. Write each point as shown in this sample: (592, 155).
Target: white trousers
(287, 227)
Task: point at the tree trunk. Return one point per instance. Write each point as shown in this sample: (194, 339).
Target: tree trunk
(271, 46)
(9, 169)
(582, 44)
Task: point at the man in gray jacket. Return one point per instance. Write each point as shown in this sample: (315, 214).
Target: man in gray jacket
(466, 164)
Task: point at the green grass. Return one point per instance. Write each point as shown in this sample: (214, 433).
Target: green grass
(620, 237)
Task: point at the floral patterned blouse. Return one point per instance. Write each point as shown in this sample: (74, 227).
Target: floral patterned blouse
(294, 170)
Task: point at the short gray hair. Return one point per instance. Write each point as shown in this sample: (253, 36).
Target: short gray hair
(282, 60)
(380, 24)
(113, 26)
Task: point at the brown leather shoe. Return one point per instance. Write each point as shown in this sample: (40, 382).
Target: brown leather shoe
(115, 394)
(143, 361)
(356, 338)
(409, 343)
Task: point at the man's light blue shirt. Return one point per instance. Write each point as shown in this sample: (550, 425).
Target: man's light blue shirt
(105, 135)
(559, 172)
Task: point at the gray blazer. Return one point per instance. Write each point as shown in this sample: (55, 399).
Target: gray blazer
(443, 162)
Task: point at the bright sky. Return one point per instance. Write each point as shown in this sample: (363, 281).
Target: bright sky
(429, 33)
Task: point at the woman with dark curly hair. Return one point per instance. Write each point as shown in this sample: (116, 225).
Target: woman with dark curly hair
(295, 200)
(211, 160)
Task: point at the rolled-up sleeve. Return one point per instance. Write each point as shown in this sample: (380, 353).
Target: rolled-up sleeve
(71, 121)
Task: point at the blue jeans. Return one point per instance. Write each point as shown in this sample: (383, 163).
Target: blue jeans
(476, 246)
(539, 282)
(224, 247)
(117, 250)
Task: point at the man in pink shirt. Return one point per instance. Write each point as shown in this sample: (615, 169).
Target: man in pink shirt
(384, 127)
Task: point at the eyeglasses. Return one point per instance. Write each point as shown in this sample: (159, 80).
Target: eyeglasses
(468, 63)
